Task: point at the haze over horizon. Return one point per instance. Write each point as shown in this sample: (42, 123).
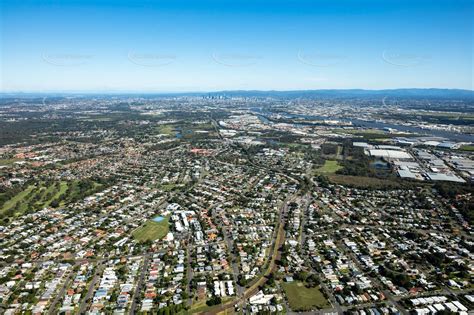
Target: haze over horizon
(184, 46)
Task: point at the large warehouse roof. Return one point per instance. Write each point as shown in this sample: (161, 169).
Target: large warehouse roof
(445, 177)
(391, 154)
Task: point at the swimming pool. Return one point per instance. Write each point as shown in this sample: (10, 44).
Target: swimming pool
(158, 218)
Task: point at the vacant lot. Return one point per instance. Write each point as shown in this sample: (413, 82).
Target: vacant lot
(152, 230)
(302, 298)
(329, 167)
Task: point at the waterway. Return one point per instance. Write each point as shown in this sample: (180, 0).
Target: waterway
(453, 136)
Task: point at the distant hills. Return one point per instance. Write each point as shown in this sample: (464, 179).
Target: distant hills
(348, 93)
(324, 93)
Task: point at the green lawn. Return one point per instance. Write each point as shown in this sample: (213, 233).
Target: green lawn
(75, 193)
(329, 167)
(166, 129)
(18, 198)
(202, 308)
(467, 148)
(199, 307)
(62, 189)
(42, 195)
(36, 196)
(168, 187)
(4, 162)
(371, 134)
(364, 131)
(152, 230)
(302, 298)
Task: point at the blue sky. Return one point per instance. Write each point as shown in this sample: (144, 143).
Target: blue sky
(209, 45)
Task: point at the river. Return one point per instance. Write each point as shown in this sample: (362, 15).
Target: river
(453, 136)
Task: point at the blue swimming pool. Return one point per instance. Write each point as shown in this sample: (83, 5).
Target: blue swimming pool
(158, 218)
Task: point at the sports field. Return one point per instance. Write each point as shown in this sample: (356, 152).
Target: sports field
(329, 167)
(151, 230)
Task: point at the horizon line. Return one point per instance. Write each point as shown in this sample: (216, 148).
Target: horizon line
(222, 90)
